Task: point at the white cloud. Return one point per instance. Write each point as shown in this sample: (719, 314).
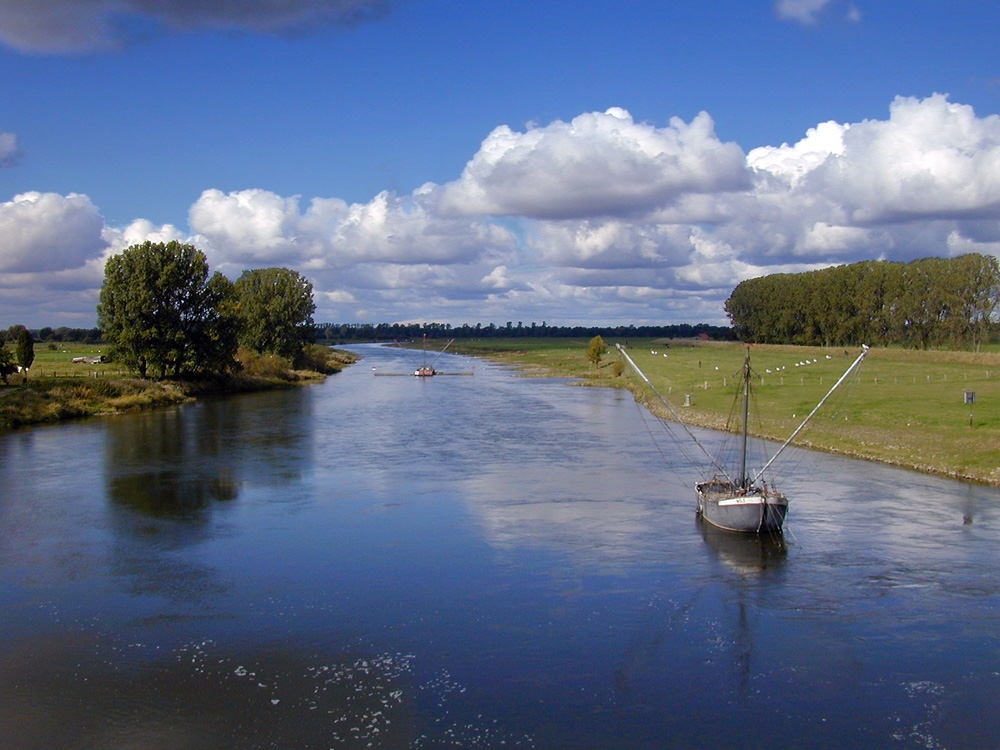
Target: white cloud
(609, 243)
(792, 163)
(599, 164)
(931, 159)
(808, 12)
(42, 232)
(923, 181)
(256, 227)
(803, 11)
(8, 149)
(67, 26)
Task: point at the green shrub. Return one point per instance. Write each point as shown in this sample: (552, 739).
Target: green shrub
(264, 365)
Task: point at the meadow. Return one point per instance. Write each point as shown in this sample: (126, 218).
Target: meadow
(904, 407)
(57, 388)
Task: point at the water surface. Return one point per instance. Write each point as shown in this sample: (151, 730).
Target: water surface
(486, 561)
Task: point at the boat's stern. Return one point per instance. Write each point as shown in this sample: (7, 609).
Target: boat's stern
(734, 509)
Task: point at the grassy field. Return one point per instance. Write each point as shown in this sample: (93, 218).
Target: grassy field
(58, 388)
(905, 407)
(58, 361)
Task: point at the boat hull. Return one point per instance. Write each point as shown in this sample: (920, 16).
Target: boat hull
(754, 511)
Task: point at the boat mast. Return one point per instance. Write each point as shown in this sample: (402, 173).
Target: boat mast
(746, 413)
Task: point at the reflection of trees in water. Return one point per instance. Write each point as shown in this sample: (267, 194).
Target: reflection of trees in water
(176, 463)
(168, 464)
(165, 471)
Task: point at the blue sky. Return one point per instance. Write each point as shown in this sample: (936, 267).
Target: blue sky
(434, 160)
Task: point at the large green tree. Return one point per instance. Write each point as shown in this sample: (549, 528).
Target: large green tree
(162, 313)
(275, 309)
(24, 347)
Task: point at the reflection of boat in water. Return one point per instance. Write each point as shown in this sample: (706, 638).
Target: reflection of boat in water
(747, 554)
(733, 499)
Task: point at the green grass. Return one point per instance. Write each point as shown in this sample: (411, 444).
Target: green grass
(58, 362)
(58, 388)
(905, 407)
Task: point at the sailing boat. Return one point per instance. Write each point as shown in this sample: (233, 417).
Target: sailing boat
(426, 368)
(736, 500)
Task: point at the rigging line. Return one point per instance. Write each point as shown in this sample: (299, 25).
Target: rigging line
(791, 437)
(645, 421)
(681, 446)
(672, 411)
(442, 352)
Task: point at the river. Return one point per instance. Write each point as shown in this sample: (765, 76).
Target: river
(473, 562)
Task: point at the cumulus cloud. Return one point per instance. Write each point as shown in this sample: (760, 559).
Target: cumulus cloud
(514, 237)
(598, 164)
(610, 243)
(931, 159)
(257, 227)
(48, 232)
(52, 254)
(66, 26)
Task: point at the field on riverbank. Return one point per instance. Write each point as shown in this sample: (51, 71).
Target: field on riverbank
(58, 388)
(905, 407)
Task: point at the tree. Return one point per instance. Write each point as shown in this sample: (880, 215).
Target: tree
(7, 367)
(163, 315)
(595, 350)
(275, 307)
(24, 347)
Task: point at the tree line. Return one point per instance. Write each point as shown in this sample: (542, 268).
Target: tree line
(930, 302)
(348, 332)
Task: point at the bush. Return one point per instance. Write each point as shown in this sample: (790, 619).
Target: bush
(264, 365)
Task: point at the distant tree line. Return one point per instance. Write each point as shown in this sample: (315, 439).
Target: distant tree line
(949, 302)
(62, 333)
(356, 332)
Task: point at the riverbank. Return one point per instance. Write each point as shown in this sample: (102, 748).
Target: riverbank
(59, 392)
(906, 408)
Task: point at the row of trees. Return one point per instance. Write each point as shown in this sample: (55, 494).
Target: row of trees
(345, 332)
(929, 302)
(165, 316)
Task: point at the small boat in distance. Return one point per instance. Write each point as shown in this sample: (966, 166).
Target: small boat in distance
(734, 500)
(426, 369)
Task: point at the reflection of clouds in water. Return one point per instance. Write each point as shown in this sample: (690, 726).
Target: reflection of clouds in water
(543, 506)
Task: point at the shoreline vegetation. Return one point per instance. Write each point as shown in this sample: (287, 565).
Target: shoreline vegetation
(58, 388)
(906, 408)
